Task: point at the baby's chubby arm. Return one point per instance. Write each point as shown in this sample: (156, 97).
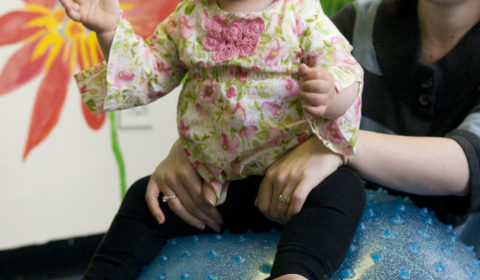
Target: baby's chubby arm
(100, 16)
(320, 97)
(137, 71)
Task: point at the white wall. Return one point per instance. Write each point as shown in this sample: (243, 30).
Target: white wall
(69, 184)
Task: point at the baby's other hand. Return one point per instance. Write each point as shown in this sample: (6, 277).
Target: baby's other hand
(317, 90)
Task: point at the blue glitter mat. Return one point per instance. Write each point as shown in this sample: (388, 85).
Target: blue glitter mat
(395, 240)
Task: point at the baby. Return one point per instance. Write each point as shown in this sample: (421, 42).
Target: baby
(249, 64)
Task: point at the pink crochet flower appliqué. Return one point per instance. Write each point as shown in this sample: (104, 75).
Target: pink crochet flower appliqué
(238, 38)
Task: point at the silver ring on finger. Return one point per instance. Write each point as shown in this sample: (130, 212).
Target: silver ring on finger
(166, 198)
(284, 199)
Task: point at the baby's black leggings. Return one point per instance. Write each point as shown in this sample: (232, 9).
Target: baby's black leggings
(313, 243)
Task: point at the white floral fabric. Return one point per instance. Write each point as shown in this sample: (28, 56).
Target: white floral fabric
(239, 109)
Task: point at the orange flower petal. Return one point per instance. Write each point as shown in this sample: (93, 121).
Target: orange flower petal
(11, 30)
(100, 54)
(20, 68)
(48, 103)
(94, 121)
(145, 15)
(94, 55)
(46, 3)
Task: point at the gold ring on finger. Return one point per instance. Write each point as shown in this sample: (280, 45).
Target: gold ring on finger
(166, 198)
(284, 199)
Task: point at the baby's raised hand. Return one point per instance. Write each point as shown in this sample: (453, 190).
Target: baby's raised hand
(100, 16)
(317, 90)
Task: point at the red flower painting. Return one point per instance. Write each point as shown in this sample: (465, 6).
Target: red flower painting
(54, 47)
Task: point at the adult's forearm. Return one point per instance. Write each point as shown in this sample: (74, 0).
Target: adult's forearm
(418, 165)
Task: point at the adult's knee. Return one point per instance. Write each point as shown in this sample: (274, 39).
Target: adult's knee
(134, 199)
(352, 183)
(344, 188)
(138, 188)
(352, 189)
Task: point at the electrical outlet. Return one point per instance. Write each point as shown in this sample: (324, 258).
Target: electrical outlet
(138, 117)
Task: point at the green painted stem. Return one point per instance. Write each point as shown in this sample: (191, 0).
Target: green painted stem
(118, 154)
(331, 6)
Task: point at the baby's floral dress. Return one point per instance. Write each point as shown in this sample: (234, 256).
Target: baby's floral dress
(239, 110)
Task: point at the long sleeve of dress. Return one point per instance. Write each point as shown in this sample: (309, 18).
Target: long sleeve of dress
(137, 73)
(324, 46)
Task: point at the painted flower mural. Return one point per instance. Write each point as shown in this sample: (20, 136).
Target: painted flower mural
(53, 46)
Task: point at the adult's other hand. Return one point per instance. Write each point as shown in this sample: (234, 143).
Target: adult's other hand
(292, 177)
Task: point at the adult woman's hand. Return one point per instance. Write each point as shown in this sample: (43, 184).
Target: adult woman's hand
(175, 176)
(292, 177)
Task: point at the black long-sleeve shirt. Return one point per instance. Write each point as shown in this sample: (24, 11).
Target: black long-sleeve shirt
(403, 96)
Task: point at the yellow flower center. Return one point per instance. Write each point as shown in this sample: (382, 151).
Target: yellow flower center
(58, 32)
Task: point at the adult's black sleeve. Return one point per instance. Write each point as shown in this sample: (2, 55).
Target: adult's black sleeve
(468, 137)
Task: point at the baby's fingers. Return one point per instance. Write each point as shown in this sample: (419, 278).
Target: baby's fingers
(72, 8)
(315, 111)
(313, 98)
(303, 69)
(314, 73)
(317, 85)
